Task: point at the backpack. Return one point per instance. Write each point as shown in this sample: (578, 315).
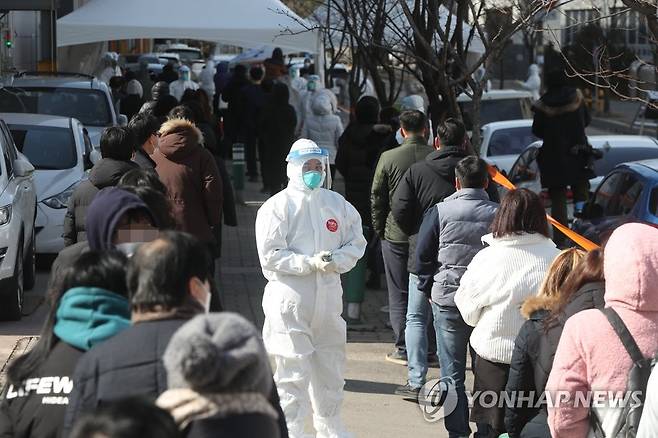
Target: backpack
(638, 377)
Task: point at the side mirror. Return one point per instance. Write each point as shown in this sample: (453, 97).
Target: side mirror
(95, 156)
(23, 168)
(122, 119)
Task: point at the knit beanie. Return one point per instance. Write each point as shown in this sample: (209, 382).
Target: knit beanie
(218, 353)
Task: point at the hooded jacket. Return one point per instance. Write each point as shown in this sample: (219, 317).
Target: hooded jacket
(85, 317)
(560, 121)
(588, 359)
(534, 350)
(106, 173)
(191, 176)
(219, 379)
(323, 126)
(358, 150)
(390, 169)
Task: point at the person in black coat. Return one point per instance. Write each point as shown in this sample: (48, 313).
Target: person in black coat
(231, 96)
(358, 150)
(276, 131)
(40, 381)
(168, 280)
(537, 341)
(117, 146)
(219, 379)
(560, 121)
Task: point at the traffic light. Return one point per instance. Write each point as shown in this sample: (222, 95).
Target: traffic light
(8, 42)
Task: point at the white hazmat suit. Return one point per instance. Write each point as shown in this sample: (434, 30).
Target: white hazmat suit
(178, 87)
(533, 84)
(306, 238)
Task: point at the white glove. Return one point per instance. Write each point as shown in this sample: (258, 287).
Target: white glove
(322, 262)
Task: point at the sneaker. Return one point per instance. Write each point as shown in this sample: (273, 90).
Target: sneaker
(407, 392)
(433, 360)
(397, 357)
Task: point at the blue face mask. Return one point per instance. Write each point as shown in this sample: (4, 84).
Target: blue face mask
(312, 179)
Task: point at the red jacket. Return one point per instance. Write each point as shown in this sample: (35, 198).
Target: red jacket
(190, 173)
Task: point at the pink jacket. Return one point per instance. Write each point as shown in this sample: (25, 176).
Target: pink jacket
(590, 356)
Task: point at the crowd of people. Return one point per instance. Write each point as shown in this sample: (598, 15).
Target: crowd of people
(136, 342)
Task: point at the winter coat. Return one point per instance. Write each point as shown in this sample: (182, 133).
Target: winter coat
(595, 359)
(224, 416)
(450, 236)
(560, 120)
(85, 317)
(143, 160)
(191, 176)
(106, 173)
(130, 105)
(252, 99)
(496, 282)
(534, 350)
(323, 126)
(390, 169)
(129, 364)
(276, 127)
(41, 415)
(358, 151)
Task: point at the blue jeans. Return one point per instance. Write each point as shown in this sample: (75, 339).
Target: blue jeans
(418, 316)
(452, 335)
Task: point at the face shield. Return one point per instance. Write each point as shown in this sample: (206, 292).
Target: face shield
(313, 163)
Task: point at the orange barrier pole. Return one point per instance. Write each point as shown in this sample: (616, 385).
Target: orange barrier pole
(581, 241)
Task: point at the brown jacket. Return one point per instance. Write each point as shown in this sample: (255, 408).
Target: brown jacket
(190, 173)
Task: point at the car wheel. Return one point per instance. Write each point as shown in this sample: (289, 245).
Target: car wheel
(12, 308)
(30, 265)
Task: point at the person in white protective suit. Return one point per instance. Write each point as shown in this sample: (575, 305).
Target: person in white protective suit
(533, 84)
(207, 79)
(184, 82)
(306, 237)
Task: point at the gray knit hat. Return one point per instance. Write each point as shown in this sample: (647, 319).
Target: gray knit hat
(218, 353)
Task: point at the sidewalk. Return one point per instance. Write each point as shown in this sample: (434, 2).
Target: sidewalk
(370, 408)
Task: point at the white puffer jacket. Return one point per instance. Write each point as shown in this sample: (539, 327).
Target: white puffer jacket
(496, 282)
(322, 125)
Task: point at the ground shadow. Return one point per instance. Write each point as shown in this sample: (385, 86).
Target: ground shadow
(367, 387)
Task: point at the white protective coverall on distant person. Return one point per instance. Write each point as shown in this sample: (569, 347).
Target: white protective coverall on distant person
(178, 87)
(304, 330)
(207, 79)
(533, 84)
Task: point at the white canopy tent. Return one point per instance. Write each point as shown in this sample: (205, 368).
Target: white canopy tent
(237, 22)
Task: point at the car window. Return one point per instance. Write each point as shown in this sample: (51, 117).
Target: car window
(91, 107)
(47, 148)
(510, 141)
(653, 202)
(614, 156)
(526, 168)
(6, 155)
(495, 110)
(617, 195)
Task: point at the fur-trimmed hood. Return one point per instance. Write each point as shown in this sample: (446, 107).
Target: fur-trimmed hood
(179, 138)
(537, 303)
(559, 102)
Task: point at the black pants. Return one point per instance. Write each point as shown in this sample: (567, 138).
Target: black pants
(558, 196)
(250, 146)
(396, 256)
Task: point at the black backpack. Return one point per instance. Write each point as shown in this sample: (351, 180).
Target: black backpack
(636, 383)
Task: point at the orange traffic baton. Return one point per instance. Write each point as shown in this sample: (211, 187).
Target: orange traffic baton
(583, 242)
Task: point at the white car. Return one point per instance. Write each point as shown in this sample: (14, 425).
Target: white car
(497, 106)
(17, 211)
(60, 151)
(503, 142)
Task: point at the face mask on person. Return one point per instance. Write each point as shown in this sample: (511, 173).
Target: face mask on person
(186, 75)
(399, 137)
(311, 86)
(312, 179)
(205, 286)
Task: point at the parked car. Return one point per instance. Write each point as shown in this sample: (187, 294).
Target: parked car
(186, 53)
(616, 149)
(503, 142)
(18, 205)
(497, 106)
(74, 95)
(628, 194)
(59, 150)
